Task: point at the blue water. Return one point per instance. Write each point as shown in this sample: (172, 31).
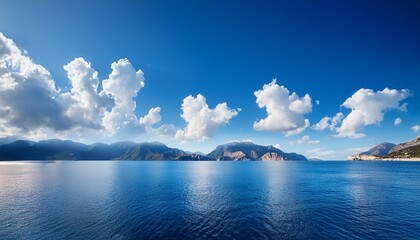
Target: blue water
(210, 200)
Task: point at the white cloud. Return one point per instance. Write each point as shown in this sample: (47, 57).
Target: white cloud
(167, 130)
(300, 141)
(123, 84)
(368, 107)
(328, 122)
(32, 106)
(319, 153)
(397, 121)
(416, 128)
(164, 132)
(285, 113)
(27, 94)
(202, 121)
(304, 140)
(83, 103)
(322, 124)
(152, 117)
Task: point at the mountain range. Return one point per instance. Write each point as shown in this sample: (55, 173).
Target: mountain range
(55, 149)
(389, 151)
(251, 151)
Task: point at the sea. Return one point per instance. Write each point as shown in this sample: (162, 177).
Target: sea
(209, 200)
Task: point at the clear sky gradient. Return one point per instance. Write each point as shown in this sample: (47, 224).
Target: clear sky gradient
(227, 50)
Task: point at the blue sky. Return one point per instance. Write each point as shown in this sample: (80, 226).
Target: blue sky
(227, 50)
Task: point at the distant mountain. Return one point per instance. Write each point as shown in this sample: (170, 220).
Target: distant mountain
(55, 149)
(380, 150)
(407, 150)
(68, 150)
(43, 150)
(374, 153)
(388, 151)
(251, 151)
(402, 146)
(7, 140)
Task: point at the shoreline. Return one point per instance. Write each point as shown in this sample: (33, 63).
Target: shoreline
(389, 159)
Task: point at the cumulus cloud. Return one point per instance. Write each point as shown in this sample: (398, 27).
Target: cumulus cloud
(28, 95)
(122, 85)
(152, 117)
(285, 111)
(32, 106)
(416, 128)
(329, 122)
(165, 131)
(83, 103)
(397, 121)
(202, 121)
(304, 140)
(368, 107)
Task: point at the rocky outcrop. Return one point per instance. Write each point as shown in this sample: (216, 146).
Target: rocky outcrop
(405, 151)
(408, 151)
(380, 150)
(234, 155)
(402, 146)
(374, 153)
(270, 156)
(56, 149)
(359, 157)
(193, 157)
(242, 151)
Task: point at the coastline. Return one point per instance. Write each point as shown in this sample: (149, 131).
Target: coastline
(389, 159)
(400, 159)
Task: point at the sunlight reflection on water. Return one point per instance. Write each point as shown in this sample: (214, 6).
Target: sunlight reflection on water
(212, 200)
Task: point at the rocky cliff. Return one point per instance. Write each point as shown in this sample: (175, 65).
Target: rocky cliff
(243, 151)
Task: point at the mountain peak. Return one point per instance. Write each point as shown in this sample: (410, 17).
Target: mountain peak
(56, 149)
(251, 151)
(379, 150)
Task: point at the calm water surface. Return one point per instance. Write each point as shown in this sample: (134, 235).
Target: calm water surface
(210, 200)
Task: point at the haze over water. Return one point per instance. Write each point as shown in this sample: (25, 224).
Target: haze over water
(210, 200)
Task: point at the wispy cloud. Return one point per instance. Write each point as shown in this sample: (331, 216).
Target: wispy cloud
(304, 140)
(397, 121)
(320, 153)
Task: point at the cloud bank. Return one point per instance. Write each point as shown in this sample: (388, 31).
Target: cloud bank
(285, 111)
(31, 104)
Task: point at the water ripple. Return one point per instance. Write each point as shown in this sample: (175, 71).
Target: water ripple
(210, 200)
